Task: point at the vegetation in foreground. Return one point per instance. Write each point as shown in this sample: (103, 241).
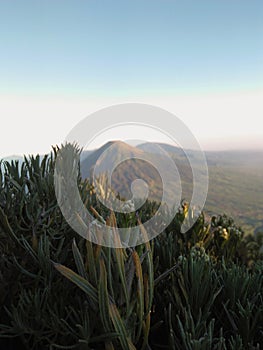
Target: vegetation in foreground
(198, 290)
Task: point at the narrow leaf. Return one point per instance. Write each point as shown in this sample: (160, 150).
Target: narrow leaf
(79, 281)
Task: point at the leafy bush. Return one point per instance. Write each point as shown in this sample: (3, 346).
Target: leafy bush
(198, 290)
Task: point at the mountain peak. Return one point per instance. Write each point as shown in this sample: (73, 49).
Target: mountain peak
(107, 154)
(121, 147)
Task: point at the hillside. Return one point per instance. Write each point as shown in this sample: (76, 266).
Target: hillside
(235, 177)
(235, 183)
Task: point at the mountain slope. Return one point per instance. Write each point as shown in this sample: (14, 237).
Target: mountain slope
(127, 171)
(235, 177)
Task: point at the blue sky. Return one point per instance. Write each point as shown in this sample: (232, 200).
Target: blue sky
(111, 47)
(61, 60)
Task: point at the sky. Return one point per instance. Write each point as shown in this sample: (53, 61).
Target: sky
(61, 60)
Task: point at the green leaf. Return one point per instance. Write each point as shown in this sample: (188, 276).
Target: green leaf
(78, 260)
(79, 281)
(104, 297)
(120, 328)
(140, 291)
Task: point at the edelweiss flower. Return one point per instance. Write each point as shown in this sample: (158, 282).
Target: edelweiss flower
(128, 207)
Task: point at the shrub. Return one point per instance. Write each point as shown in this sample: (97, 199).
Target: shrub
(198, 290)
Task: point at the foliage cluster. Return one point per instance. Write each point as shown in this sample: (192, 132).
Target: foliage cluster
(198, 290)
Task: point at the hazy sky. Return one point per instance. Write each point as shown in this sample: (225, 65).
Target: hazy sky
(61, 60)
